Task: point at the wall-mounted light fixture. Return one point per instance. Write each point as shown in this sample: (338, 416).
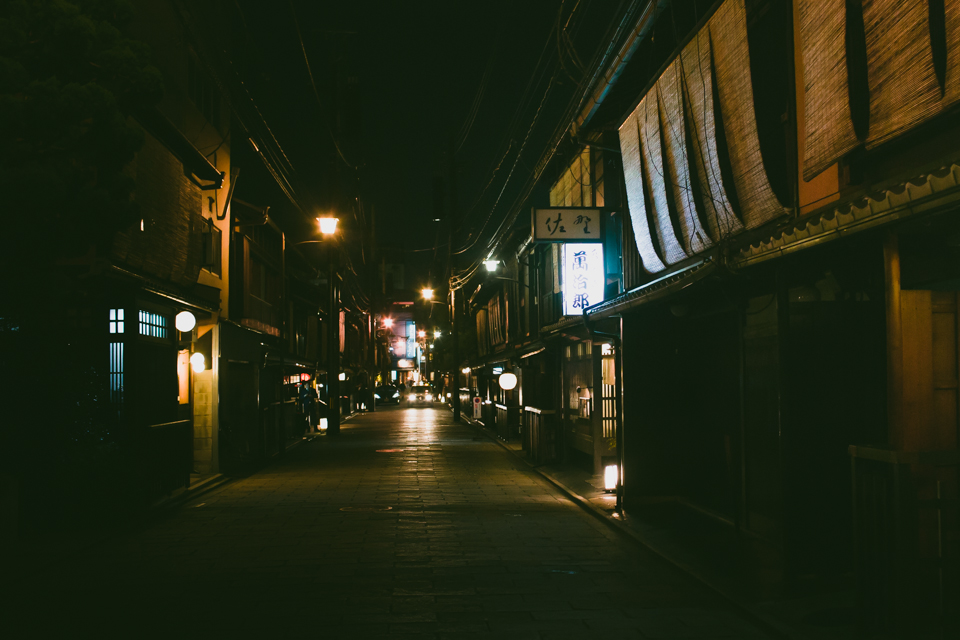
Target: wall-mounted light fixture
(507, 381)
(185, 321)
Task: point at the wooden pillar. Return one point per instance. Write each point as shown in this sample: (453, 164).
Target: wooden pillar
(596, 405)
(787, 436)
(891, 269)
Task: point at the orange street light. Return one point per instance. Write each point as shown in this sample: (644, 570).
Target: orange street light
(328, 225)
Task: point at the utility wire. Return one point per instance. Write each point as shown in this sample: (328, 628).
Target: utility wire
(336, 144)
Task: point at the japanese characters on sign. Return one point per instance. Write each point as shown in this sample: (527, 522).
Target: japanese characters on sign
(583, 277)
(572, 224)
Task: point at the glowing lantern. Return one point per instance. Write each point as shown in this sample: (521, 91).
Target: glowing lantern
(185, 321)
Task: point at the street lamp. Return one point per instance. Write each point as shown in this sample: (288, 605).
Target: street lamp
(491, 265)
(328, 228)
(436, 334)
(185, 321)
(387, 323)
(328, 225)
(427, 294)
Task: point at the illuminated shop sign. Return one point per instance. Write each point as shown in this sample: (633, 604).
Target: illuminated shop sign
(411, 333)
(567, 224)
(583, 277)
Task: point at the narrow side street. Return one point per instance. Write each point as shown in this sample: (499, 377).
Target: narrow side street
(407, 525)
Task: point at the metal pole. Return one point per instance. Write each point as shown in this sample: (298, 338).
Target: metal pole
(618, 423)
(453, 293)
(455, 374)
(284, 336)
(333, 347)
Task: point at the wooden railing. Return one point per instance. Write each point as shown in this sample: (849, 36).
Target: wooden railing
(540, 434)
(905, 533)
(508, 421)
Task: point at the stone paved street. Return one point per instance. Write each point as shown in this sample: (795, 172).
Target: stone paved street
(407, 525)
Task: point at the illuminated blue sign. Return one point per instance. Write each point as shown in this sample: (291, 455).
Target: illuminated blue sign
(411, 333)
(583, 277)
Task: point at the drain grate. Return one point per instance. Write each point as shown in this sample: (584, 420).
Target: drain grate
(366, 509)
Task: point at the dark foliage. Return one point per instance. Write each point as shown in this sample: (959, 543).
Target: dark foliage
(69, 82)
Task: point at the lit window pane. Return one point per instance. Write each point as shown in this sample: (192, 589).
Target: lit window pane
(153, 325)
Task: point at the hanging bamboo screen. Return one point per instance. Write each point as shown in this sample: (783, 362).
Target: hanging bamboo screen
(903, 85)
(701, 130)
(649, 123)
(828, 124)
(633, 179)
(731, 55)
(676, 165)
(657, 166)
(952, 85)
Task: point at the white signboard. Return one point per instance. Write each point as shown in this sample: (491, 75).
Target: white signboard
(570, 224)
(477, 408)
(583, 277)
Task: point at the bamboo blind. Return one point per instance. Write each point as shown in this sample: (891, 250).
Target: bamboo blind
(904, 90)
(731, 55)
(649, 123)
(952, 88)
(828, 124)
(633, 179)
(676, 163)
(698, 86)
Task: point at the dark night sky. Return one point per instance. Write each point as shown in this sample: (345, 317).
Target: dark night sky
(420, 66)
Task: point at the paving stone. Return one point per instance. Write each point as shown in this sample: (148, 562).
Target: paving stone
(447, 539)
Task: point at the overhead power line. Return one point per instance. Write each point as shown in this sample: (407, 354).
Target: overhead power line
(306, 59)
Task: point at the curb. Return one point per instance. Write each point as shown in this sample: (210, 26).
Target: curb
(201, 488)
(763, 621)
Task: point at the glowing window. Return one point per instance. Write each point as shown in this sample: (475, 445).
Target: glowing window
(116, 372)
(116, 320)
(153, 325)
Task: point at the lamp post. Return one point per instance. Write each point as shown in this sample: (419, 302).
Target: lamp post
(328, 227)
(455, 371)
(424, 364)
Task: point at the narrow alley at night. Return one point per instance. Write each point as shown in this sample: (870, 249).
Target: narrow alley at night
(409, 524)
(509, 318)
